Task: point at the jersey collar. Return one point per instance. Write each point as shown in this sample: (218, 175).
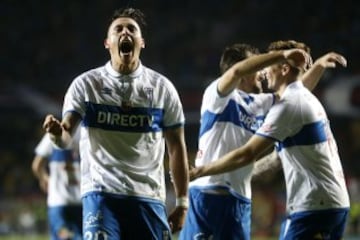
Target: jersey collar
(116, 74)
(294, 85)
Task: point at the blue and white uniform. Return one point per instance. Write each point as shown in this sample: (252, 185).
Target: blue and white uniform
(122, 144)
(226, 124)
(63, 199)
(312, 167)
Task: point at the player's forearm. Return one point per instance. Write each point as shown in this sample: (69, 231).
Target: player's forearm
(257, 62)
(233, 76)
(179, 169)
(229, 162)
(268, 164)
(311, 77)
(180, 173)
(329, 60)
(61, 141)
(38, 166)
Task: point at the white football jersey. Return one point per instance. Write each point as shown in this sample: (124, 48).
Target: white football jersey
(123, 118)
(308, 151)
(64, 173)
(226, 124)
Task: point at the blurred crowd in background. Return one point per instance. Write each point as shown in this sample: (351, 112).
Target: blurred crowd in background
(45, 44)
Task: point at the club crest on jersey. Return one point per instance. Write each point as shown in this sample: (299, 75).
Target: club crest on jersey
(149, 92)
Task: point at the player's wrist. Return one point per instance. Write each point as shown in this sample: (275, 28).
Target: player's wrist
(182, 202)
(59, 143)
(56, 140)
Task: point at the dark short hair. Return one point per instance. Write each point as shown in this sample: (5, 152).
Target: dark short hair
(136, 14)
(235, 53)
(289, 44)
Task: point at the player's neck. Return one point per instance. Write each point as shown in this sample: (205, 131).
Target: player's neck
(125, 68)
(285, 84)
(282, 87)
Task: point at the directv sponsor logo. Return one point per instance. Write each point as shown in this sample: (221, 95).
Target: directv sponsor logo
(241, 119)
(126, 120)
(250, 122)
(115, 118)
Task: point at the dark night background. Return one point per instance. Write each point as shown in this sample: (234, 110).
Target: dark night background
(45, 44)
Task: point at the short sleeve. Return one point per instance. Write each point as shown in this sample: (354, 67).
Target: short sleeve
(44, 147)
(280, 122)
(212, 101)
(173, 109)
(74, 100)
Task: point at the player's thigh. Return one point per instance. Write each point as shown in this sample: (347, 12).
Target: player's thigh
(56, 221)
(98, 220)
(216, 216)
(117, 218)
(73, 216)
(321, 224)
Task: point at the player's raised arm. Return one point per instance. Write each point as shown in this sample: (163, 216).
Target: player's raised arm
(231, 78)
(330, 60)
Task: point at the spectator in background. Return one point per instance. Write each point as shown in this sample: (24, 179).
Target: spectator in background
(58, 172)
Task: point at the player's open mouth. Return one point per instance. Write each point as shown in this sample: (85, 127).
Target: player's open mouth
(126, 47)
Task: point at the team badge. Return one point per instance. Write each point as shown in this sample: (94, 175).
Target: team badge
(149, 92)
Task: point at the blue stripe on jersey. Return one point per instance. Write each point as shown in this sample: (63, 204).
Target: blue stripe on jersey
(73, 112)
(310, 134)
(61, 155)
(234, 113)
(249, 99)
(115, 118)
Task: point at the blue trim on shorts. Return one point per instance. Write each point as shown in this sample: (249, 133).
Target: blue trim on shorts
(122, 196)
(222, 187)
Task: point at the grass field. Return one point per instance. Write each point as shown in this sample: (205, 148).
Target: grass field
(18, 237)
